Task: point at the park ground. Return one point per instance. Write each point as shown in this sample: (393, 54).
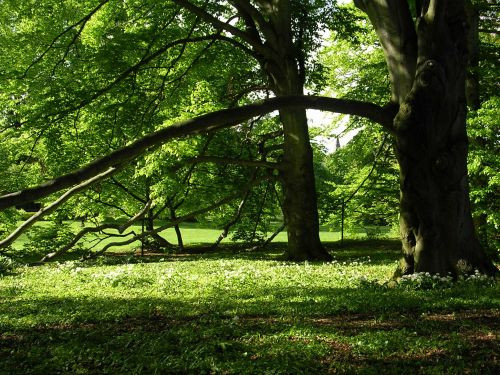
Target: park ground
(232, 311)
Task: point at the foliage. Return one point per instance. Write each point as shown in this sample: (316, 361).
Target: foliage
(363, 173)
(44, 239)
(483, 165)
(366, 182)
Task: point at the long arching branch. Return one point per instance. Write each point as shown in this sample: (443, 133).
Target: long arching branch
(212, 121)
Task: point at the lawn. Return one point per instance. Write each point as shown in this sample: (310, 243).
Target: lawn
(238, 312)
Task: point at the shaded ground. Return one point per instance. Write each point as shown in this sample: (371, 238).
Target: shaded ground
(156, 343)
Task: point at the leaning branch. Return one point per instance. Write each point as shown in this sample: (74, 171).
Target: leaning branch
(212, 121)
(269, 240)
(51, 208)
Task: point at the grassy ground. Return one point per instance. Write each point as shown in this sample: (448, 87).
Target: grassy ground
(239, 312)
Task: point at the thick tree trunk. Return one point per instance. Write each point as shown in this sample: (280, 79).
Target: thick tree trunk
(431, 146)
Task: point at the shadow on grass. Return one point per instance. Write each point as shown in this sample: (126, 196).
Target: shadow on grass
(280, 330)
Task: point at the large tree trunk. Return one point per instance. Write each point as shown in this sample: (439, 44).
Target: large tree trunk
(436, 225)
(431, 146)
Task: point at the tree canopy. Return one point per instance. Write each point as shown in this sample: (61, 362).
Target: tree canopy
(171, 105)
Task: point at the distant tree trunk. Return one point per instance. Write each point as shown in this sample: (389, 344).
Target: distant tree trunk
(300, 202)
(178, 233)
(158, 241)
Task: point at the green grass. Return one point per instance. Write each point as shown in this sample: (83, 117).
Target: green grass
(237, 312)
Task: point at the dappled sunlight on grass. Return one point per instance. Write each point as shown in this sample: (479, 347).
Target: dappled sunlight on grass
(242, 312)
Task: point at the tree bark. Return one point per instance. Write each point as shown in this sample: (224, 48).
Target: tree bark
(393, 24)
(300, 202)
(431, 146)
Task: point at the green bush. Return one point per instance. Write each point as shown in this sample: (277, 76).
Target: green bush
(48, 238)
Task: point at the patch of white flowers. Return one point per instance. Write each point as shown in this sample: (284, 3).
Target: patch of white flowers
(424, 280)
(70, 265)
(125, 275)
(477, 278)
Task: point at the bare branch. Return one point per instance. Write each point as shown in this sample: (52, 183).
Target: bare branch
(100, 228)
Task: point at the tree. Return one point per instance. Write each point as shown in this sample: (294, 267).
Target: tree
(427, 63)
(426, 57)
(280, 58)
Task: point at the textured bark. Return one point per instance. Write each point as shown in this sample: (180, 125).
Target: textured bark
(394, 26)
(300, 201)
(436, 225)
(431, 146)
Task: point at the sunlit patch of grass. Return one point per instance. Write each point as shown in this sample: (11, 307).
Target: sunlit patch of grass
(241, 312)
